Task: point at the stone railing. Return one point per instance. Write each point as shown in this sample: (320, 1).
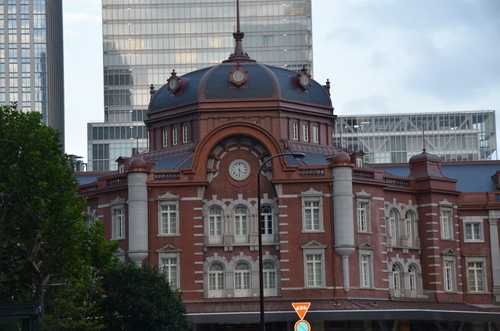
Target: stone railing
(312, 172)
(167, 175)
(363, 174)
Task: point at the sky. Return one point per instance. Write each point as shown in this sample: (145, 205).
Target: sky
(380, 56)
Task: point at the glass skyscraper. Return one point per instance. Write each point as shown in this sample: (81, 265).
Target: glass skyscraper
(31, 58)
(395, 138)
(144, 41)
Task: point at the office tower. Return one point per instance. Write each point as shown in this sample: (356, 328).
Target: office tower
(390, 138)
(144, 42)
(31, 58)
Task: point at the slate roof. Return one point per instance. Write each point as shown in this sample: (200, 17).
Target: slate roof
(472, 176)
(263, 82)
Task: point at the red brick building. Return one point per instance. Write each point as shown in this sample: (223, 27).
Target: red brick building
(369, 250)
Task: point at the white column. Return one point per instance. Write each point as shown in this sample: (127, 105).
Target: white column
(343, 217)
(495, 253)
(138, 216)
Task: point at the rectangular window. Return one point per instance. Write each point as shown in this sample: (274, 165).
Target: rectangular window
(446, 224)
(449, 275)
(240, 221)
(365, 268)
(168, 219)
(475, 273)
(295, 131)
(175, 136)
(305, 132)
(170, 269)
(185, 134)
(215, 222)
(315, 134)
(363, 216)
(312, 221)
(119, 223)
(473, 230)
(165, 138)
(314, 269)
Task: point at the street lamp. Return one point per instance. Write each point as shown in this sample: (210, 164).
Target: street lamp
(298, 156)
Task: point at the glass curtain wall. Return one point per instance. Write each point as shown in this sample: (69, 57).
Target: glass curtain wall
(31, 69)
(457, 136)
(144, 40)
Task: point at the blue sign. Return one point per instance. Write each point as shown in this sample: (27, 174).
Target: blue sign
(302, 326)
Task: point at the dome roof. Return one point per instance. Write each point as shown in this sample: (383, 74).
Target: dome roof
(262, 82)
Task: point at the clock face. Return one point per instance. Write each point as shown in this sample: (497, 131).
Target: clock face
(173, 84)
(238, 75)
(304, 80)
(239, 169)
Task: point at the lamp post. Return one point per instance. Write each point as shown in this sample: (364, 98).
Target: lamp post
(298, 156)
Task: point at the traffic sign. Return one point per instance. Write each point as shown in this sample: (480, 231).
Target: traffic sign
(302, 326)
(301, 308)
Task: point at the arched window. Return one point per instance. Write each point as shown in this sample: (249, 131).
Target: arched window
(393, 227)
(241, 220)
(215, 221)
(269, 274)
(216, 276)
(411, 229)
(241, 276)
(397, 276)
(266, 220)
(412, 277)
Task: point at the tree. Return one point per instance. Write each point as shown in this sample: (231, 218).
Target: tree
(140, 298)
(44, 235)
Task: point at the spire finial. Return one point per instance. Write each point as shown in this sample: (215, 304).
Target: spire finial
(239, 55)
(423, 139)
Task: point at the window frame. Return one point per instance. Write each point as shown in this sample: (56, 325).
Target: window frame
(242, 277)
(216, 278)
(316, 225)
(449, 274)
(479, 284)
(165, 138)
(315, 134)
(295, 131)
(314, 248)
(359, 210)
(473, 220)
(175, 136)
(174, 281)
(267, 220)
(118, 219)
(305, 132)
(185, 134)
(366, 279)
(446, 223)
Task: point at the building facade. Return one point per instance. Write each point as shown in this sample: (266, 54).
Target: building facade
(31, 58)
(144, 42)
(456, 136)
(369, 250)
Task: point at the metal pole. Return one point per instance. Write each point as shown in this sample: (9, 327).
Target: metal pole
(259, 220)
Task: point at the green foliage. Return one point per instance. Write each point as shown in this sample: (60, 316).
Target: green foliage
(44, 235)
(140, 298)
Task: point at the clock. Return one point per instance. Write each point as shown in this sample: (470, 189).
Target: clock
(304, 80)
(173, 84)
(238, 75)
(239, 169)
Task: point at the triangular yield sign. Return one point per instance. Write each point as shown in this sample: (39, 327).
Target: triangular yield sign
(301, 308)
